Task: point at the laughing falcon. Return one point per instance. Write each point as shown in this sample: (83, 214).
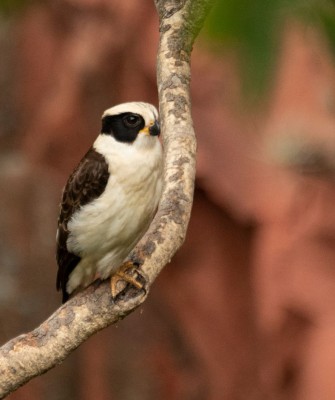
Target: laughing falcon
(110, 198)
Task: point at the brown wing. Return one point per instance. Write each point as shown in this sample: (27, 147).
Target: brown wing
(85, 184)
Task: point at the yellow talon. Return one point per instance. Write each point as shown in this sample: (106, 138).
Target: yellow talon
(123, 276)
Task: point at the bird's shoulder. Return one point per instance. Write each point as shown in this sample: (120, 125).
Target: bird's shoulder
(86, 183)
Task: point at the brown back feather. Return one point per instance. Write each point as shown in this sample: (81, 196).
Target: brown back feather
(86, 183)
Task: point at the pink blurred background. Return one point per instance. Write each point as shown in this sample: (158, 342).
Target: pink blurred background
(246, 309)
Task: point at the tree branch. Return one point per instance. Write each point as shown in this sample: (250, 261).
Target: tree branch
(34, 353)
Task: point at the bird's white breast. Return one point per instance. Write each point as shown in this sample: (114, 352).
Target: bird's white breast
(104, 231)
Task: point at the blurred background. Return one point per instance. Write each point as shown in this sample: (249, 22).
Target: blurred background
(246, 309)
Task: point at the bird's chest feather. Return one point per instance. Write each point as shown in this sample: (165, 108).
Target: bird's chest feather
(120, 216)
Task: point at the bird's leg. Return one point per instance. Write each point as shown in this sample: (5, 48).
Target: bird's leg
(125, 274)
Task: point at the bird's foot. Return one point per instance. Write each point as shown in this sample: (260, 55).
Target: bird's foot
(127, 273)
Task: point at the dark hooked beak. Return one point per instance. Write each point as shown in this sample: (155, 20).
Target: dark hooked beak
(155, 129)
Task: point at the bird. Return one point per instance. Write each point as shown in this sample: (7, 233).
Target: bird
(110, 199)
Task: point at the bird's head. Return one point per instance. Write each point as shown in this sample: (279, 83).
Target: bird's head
(130, 122)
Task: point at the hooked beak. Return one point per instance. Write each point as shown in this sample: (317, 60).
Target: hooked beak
(153, 129)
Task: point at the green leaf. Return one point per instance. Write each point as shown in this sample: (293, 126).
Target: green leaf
(253, 29)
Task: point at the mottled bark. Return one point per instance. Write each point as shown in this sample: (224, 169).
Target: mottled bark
(34, 353)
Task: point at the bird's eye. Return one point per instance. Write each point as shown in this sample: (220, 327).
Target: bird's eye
(132, 121)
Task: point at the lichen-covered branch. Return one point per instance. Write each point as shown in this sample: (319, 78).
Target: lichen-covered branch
(180, 22)
(34, 353)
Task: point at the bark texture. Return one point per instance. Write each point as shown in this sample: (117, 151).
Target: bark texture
(34, 353)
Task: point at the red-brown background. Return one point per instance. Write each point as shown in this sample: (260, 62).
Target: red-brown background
(246, 309)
